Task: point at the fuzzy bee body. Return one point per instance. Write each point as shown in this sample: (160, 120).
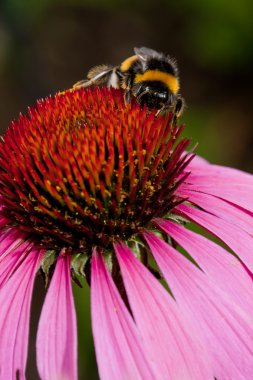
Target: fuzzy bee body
(148, 76)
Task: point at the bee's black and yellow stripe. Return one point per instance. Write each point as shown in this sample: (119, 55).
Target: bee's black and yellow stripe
(169, 80)
(127, 64)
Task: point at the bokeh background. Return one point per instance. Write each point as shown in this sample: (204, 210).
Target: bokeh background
(48, 45)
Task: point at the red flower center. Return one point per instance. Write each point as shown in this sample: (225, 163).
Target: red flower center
(84, 169)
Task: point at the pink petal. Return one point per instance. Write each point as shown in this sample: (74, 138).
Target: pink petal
(15, 302)
(197, 161)
(229, 184)
(13, 250)
(57, 337)
(228, 328)
(223, 268)
(218, 173)
(9, 240)
(220, 208)
(173, 346)
(120, 355)
(238, 240)
(3, 220)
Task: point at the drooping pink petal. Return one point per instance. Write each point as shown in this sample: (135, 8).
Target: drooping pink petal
(13, 250)
(57, 336)
(12, 262)
(238, 240)
(9, 240)
(223, 268)
(119, 351)
(174, 345)
(227, 327)
(15, 301)
(220, 208)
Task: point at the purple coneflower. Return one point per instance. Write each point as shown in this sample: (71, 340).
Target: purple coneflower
(91, 187)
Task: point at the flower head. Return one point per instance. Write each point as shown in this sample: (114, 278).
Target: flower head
(86, 170)
(92, 187)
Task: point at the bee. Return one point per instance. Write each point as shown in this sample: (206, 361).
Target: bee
(148, 76)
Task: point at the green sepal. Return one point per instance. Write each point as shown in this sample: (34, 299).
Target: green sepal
(176, 218)
(158, 233)
(48, 260)
(109, 256)
(138, 248)
(78, 263)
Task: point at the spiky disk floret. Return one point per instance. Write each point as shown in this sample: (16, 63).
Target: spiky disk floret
(83, 169)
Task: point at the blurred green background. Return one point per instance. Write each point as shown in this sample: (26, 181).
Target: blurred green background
(48, 45)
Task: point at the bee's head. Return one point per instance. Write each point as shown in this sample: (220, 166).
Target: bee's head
(153, 95)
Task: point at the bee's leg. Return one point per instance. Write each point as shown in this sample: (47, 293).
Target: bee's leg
(98, 75)
(141, 95)
(161, 110)
(179, 107)
(127, 96)
(83, 83)
(119, 73)
(178, 110)
(128, 92)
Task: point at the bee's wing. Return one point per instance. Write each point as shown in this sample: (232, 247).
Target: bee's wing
(98, 75)
(143, 53)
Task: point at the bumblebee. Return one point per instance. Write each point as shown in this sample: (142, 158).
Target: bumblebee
(148, 76)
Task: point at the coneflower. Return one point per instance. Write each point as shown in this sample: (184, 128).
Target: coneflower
(91, 187)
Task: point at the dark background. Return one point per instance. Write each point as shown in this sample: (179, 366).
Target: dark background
(46, 46)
